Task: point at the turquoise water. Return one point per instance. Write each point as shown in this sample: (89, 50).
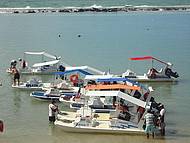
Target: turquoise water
(84, 3)
(107, 41)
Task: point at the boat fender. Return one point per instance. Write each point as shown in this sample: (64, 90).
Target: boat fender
(74, 78)
(1, 126)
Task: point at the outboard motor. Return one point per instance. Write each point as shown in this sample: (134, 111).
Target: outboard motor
(61, 68)
(170, 73)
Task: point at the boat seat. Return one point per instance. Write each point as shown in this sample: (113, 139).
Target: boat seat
(103, 117)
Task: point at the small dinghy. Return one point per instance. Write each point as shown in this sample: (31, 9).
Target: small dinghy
(52, 94)
(32, 84)
(165, 74)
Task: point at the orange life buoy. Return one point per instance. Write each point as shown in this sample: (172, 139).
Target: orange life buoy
(1, 126)
(74, 78)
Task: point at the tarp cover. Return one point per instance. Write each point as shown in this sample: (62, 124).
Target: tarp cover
(142, 58)
(149, 58)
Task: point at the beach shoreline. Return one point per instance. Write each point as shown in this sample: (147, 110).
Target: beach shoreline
(95, 9)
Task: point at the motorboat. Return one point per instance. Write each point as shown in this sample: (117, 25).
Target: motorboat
(76, 75)
(50, 64)
(43, 67)
(97, 103)
(32, 84)
(165, 74)
(120, 121)
(53, 93)
(86, 121)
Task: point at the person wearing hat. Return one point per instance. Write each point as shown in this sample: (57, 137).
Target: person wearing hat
(13, 64)
(53, 108)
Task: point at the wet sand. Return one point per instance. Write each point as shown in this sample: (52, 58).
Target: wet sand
(95, 9)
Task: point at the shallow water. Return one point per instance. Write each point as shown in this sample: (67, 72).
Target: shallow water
(107, 41)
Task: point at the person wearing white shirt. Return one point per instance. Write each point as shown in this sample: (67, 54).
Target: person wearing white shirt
(162, 122)
(53, 108)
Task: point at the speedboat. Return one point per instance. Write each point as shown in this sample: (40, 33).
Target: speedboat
(32, 84)
(86, 121)
(53, 94)
(46, 66)
(43, 67)
(124, 120)
(165, 74)
(97, 103)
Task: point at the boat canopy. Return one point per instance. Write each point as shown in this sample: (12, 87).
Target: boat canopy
(149, 58)
(76, 68)
(46, 63)
(72, 71)
(112, 79)
(95, 77)
(85, 68)
(42, 53)
(142, 58)
(111, 86)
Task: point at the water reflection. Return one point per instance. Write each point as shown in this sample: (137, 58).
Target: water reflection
(16, 101)
(166, 88)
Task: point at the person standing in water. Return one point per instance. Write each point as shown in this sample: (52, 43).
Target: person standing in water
(162, 121)
(150, 127)
(16, 76)
(53, 108)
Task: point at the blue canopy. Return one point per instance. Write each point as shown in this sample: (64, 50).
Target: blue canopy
(72, 71)
(118, 79)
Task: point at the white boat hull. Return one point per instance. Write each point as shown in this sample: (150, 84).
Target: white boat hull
(34, 71)
(81, 129)
(144, 79)
(26, 88)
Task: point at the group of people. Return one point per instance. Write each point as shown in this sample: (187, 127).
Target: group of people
(53, 108)
(153, 119)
